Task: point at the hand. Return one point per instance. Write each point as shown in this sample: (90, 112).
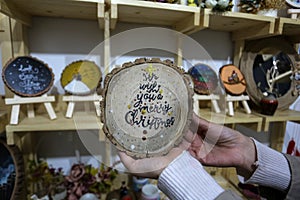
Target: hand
(220, 146)
(152, 167)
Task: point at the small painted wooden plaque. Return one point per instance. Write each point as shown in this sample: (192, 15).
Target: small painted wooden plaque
(205, 79)
(27, 76)
(146, 107)
(81, 77)
(233, 80)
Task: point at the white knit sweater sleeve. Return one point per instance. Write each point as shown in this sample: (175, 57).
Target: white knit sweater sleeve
(272, 168)
(185, 178)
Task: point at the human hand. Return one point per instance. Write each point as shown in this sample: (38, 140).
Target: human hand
(152, 167)
(220, 146)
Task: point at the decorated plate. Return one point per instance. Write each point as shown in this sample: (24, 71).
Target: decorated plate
(27, 76)
(293, 3)
(204, 77)
(233, 80)
(81, 77)
(147, 105)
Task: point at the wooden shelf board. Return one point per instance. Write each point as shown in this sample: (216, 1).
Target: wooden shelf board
(242, 25)
(3, 120)
(77, 9)
(180, 17)
(279, 116)
(80, 121)
(288, 27)
(239, 117)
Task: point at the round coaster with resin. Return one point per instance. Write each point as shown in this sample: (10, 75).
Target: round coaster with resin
(81, 77)
(147, 106)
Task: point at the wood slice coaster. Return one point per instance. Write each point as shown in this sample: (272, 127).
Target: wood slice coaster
(205, 79)
(233, 80)
(147, 106)
(12, 172)
(81, 77)
(27, 76)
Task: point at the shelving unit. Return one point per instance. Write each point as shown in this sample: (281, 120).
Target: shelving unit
(181, 18)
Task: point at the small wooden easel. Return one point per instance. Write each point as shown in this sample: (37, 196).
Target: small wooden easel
(230, 99)
(212, 97)
(294, 13)
(72, 99)
(16, 101)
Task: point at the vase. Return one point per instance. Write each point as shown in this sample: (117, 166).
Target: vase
(269, 104)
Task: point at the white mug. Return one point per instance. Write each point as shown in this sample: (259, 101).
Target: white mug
(150, 192)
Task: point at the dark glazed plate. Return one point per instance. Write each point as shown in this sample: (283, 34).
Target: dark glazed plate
(27, 76)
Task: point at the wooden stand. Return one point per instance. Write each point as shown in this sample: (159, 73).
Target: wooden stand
(294, 13)
(17, 101)
(213, 98)
(243, 98)
(86, 99)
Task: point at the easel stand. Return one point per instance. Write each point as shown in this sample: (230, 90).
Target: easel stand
(230, 99)
(294, 13)
(72, 100)
(213, 98)
(16, 101)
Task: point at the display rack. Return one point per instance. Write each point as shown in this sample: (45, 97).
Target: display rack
(17, 101)
(212, 97)
(72, 100)
(231, 99)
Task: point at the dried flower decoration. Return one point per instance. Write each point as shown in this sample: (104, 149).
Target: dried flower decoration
(250, 6)
(273, 4)
(47, 181)
(217, 5)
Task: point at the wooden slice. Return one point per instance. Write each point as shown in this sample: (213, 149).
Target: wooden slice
(233, 80)
(147, 106)
(204, 77)
(81, 77)
(293, 3)
(27, 76)
(11, 172)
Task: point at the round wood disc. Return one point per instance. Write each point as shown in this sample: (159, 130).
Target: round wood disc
(293, 3)
(11, 172)
(27, 76)
(233, 80)
(147, 105)
(255, 61)
(204, 77)
(81, 77)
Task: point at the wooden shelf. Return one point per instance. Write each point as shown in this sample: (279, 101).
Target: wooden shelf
(80, 121)
(239, 117)
(179, 17)
(279, 116)
(23, 10)
(289, 27)
(242, 25)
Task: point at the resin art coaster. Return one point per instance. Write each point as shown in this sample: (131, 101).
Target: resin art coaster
(233, 80)
(147, 106)
(205, 79)
(81, 77)
(27, 76)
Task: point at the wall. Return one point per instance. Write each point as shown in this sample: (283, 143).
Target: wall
(58, 42)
